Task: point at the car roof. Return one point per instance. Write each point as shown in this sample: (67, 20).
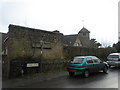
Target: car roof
(83, 56)
(114, 54)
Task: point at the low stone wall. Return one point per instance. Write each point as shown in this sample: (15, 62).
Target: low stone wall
(101, 53)
(19, 67)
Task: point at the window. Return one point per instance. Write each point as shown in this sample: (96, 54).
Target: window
(89, 60)
(77, 60)
(46, 45)
(113, 56)
(77, 44)
(96, 60)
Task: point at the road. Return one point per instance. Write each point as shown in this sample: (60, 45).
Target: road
(96, 80)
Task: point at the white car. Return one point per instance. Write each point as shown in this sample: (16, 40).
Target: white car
(114, 59)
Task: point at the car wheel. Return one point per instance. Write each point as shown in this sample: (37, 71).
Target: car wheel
(105, 70)
(86, 73)
(71, 74)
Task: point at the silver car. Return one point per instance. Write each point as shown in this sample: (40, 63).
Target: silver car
(114, 59)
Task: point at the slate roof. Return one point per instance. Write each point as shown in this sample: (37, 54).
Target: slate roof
(69, 39)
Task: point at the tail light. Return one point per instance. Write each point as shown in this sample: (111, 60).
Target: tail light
(81, 67)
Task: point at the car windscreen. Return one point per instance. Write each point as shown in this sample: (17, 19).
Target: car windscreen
(113, 56)
(77, 60)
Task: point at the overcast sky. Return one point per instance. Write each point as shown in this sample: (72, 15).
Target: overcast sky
(100, 17)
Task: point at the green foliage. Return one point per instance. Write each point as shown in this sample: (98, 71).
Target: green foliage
(117, 46)
(94, 43)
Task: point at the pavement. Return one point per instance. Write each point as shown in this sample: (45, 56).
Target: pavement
(29, 79)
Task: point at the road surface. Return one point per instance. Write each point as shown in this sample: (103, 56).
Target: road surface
(96, 80)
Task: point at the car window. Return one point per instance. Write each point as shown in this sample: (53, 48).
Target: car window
(77, 60)
(113, 56)
(89, 60)
(96, 60)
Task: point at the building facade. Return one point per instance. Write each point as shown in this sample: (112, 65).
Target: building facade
(81, 39)
(24, 42)
(29, 42)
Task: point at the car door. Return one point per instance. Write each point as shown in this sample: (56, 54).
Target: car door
(97, 64)
(90, 64)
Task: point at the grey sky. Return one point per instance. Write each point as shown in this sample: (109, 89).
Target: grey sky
(100, 16)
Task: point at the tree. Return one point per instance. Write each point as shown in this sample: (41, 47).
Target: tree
(117, 46)
(94, 43)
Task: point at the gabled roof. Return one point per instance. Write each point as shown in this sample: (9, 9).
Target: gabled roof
(69, 39)
(83, 30)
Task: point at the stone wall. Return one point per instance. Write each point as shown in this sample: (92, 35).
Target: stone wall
(101, 53)
(22, 44)
(25, 42)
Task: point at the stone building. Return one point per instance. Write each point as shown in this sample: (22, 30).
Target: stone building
(80, 39)
(29, 42)
(25, 42)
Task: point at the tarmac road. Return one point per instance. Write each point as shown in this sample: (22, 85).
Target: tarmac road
(96, 80)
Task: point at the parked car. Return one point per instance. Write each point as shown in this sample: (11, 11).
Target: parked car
(114, 59)
(85, 65)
